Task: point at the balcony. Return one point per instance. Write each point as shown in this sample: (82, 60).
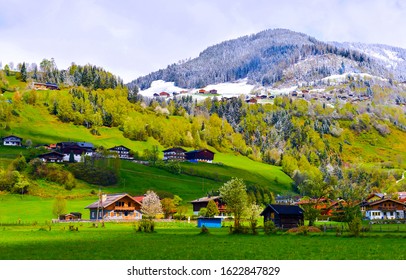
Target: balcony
(124, 208)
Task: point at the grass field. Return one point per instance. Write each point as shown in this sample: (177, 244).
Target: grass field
(183, 241)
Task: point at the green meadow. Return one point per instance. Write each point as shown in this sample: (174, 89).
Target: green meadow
(183, 241)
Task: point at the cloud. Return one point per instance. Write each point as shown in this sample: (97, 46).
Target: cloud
(133, 38)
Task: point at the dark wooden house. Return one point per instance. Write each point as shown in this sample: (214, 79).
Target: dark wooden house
(115, 207)
(52, 157)
(176, 153)
(203, 201)
(76, 149)
(204, 155)
(122, 151)
(284, 216)
(12, 140)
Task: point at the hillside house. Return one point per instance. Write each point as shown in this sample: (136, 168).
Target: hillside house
(202, 91)
(72, 216)
(76, 149)
(213, 91)
(164, 94)
(204, 155)
(12, 140)
(251, 100)
(46, 86)
(284, 216)
(115, 207)
(122, 152)
(203, 201)
(176, 153)
(384, 209)
(52, 157)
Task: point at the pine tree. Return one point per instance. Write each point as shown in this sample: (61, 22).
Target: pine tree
(23, 72)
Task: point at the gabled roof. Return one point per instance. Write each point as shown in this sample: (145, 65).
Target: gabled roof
(385, 200)
(175, 149)
(52, 153)
(12, 136)
(205, 199)
(121, 146)
(85, 145)
(284, 209)
(197, 151)
(110, 199)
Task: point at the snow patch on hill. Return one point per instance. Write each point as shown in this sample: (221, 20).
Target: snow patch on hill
(160, 86)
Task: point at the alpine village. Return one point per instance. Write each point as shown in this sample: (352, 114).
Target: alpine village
(266, 141)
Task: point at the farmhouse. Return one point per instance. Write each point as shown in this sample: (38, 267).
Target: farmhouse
(284, 216)
(122, 151)
(75, 149)
(164, 94)
(45, 86)
(12, 140)
(176, 153)
(204, 155)
(115, 207)
(202, 91)
(52, 157)
(384, 209)
(203, 201)
(72, 216)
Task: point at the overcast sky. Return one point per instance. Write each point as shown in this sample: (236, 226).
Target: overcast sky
(134, 38)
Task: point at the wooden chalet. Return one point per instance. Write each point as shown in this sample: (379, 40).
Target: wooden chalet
(164, 94)
(204, 155)
(46, 86)
(284, 216)
(384, 209)
(176, 153)
(202, 91)
(122, 151)
(78, 149)
(52, 157)
(72, 216)
(203, 201)
(115, 207)
(12, 140)
(213, 91)
(251, 100)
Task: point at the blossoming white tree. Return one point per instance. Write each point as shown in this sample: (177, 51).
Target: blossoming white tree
(151, 205)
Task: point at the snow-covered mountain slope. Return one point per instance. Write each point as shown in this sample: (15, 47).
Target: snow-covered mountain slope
(275, 57)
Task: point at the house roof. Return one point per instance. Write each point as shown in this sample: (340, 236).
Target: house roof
(385, 200)
(139, 198)
(52, 153)
(85, 145)
(175, 149)
(284, 209)
(110, 199)
(197, 151)
(206, 199)
(121, 146)
(12, 136)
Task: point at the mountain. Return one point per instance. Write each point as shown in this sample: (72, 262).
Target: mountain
(392, 58)
(279, 55)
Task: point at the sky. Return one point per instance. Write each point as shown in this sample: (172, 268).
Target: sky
(132, 38)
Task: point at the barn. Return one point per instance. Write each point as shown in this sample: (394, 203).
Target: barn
(284, 216)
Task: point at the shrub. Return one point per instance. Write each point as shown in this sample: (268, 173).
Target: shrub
(145, 225)
(269, 227)
(204, 230)
(93, 174)
(355, 226)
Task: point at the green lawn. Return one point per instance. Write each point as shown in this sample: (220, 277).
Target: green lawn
(179, 241)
